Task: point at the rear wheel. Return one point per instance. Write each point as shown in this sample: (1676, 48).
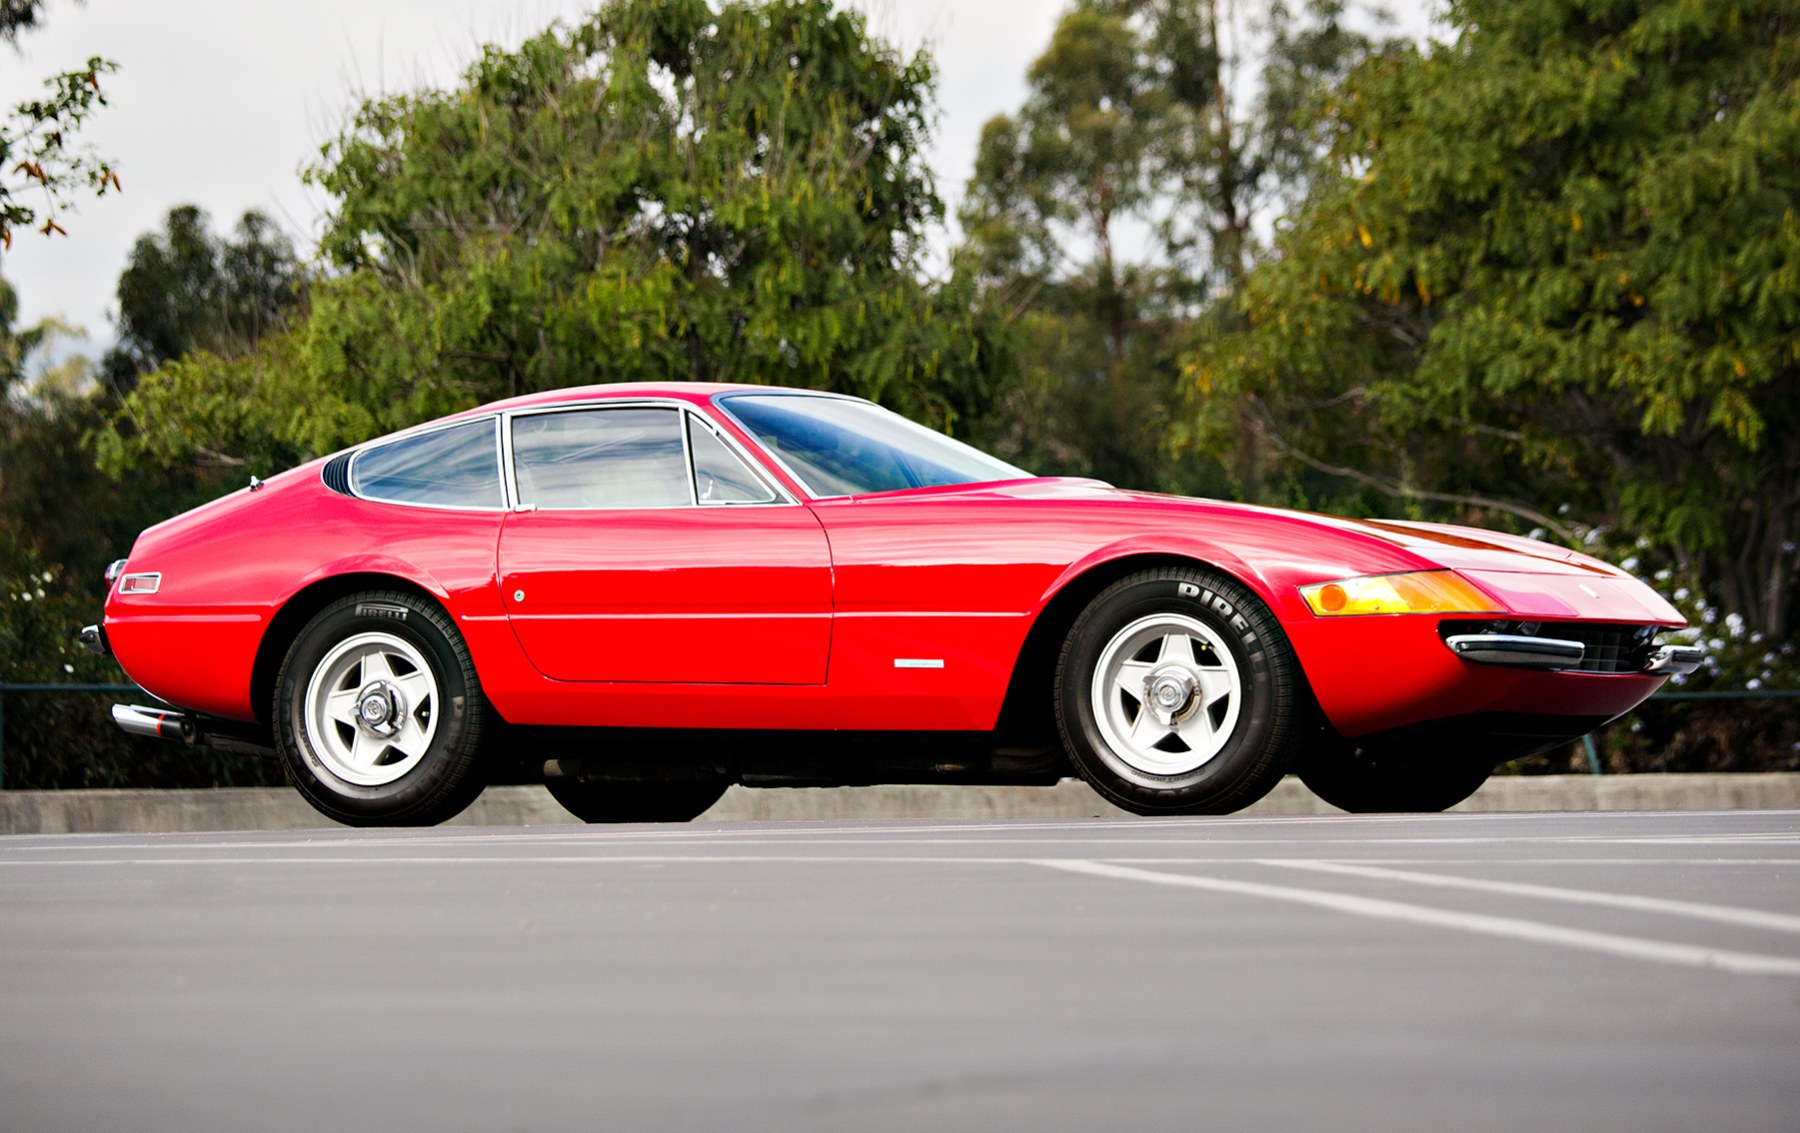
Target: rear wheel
(596, 801)
(378, 713)
(1177, 692)
(1392, 780)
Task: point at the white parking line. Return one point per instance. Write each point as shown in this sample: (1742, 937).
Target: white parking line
(1726, 914)
(1636, 948)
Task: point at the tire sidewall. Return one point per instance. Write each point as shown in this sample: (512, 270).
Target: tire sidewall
(1251, 650)
(426, 781)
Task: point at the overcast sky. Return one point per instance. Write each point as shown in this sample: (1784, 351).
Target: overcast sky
(221, 102)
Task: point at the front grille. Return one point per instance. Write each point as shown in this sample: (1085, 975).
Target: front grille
(1610, 648)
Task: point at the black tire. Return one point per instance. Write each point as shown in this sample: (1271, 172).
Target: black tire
(595, 801)
(1397, 780)
(443, 773)
(1260, 734)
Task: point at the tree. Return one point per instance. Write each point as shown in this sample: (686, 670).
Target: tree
(1120, 205)
(37, 138)
(1557, 269)
(664, 191)
(184, 289)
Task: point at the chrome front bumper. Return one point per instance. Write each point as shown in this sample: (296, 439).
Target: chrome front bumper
(1526, 652)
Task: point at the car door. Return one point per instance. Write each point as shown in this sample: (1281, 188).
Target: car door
(643, 547)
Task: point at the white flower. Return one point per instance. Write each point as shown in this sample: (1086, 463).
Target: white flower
(1752, 684)
(1629, 564)
(25, 597)
(1734, 622)
(1681, 595)
(68, 668)
(1664, 575)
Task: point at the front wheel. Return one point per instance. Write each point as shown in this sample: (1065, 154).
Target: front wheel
(1177, 693)
(593, 801)
(379, 715)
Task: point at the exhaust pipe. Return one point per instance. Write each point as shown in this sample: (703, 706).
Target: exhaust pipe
(157, 723)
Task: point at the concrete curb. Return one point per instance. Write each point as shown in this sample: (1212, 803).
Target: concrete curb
(258, 808)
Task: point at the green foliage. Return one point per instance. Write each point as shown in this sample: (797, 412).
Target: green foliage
(38, 154)
(64, 740)
(1150, 143)
(61, 521)
(1556, 267)
(184, 289)
(664, 191)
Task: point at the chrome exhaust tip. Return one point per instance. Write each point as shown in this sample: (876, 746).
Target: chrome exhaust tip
(157, 723)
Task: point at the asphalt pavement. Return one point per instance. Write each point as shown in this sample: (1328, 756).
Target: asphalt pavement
(1449, 972)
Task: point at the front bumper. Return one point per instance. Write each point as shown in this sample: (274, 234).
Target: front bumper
(1532, 651)
(1376, 674)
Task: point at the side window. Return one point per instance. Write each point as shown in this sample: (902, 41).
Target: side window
(454, 467)
(719, 476)
(599, 458)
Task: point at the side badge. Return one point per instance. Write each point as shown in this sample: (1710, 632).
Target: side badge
(1187, 590)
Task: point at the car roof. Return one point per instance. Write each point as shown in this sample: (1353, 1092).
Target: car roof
(695, 392)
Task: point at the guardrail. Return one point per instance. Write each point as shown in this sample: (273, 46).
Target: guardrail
(1587, 741)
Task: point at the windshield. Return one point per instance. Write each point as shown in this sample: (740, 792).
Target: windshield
(839, 447)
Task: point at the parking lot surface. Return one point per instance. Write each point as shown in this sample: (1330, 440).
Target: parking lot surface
(1471, 971)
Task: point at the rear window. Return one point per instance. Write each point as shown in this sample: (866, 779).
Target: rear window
(454, 467)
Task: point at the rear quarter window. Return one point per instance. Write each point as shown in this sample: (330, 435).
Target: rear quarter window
(454, 467)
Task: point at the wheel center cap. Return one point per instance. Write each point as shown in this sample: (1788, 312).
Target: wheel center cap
(378, 708)
(1168, 693)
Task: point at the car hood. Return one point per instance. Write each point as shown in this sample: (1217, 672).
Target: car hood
(1460, 548)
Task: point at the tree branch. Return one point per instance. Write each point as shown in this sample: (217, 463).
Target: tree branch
(1406, 491)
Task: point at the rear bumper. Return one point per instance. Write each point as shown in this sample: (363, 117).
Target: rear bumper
(93, 639)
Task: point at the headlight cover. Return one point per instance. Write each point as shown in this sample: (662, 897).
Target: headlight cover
(1419, 592)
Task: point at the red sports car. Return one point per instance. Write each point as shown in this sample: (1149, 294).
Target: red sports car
(643, 594)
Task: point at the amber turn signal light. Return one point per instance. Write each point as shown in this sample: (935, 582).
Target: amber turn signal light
(1422, 592)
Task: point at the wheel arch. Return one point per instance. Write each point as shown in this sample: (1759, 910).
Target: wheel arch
(299, 609)
(1026, 709)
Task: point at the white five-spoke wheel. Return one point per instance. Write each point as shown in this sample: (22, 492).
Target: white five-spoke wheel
(1166, 694)
(371, 709)
(379, 718)
(1177, 693)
